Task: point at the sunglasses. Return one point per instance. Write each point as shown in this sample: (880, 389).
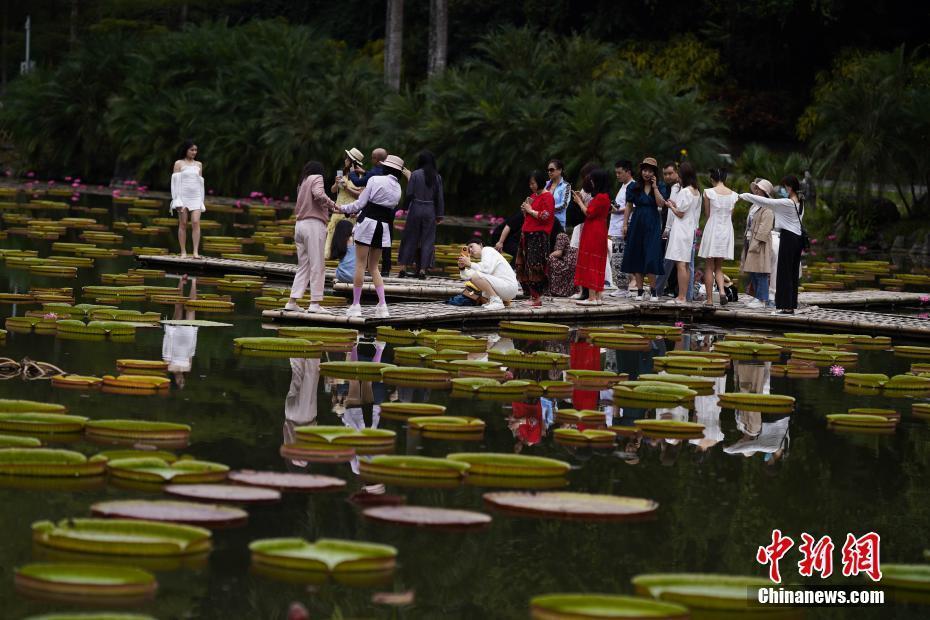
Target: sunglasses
(553, 169)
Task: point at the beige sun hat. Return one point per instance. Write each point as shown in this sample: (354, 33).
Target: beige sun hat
(765, 185)
(393, 161)
(650, 161)
(355, 155)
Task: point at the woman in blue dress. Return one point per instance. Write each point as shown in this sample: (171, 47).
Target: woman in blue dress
(643, 254)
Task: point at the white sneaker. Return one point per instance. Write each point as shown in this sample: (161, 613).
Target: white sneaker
(654, 298)
(355, 310)
(381, 312)
(495, 303)
(576, 296)
(317, 309)
(292, 307)
(637, 297)
(755, 304)
(619, 293)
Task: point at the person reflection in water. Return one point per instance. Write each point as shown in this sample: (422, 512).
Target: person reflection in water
(300, 404)
(180, 342)
(526, 424)
(360, 395)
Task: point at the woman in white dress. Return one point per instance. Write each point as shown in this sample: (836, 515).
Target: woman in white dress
(179, 344)
(686, 209)
(372, 232)
(187, 195)
(717, 237)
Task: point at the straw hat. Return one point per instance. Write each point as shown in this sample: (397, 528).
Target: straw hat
(393, 161)
(765, 185)
(650, 161)
(355, 155)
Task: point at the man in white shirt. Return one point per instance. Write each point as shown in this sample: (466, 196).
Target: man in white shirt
(624, 171)
(670, 175)
(488, 270)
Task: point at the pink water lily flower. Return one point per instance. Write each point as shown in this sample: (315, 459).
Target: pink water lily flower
(679, 323)
(831, 237)
(830, 259)
(924, 315)
(925, 299)
(837, 370)
(813, 242)
(477, 233)
(478, 217)
(50, 315)
(116, 193)
(68, 178)
(30, 174)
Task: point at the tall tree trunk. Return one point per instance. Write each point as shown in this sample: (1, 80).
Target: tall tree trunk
(438, 36)
(393, 43)
(3, 44)
(183, 14)
(72, 33)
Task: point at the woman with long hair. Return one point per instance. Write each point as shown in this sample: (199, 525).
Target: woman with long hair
(345, 190)
(592, 251)
(789, 211)
(343, 250)
(187, 194)
(642, 254)
(538, 217)
(686, 212)
(312, 213)
(717, 236)
(372, 233)
(425, 210)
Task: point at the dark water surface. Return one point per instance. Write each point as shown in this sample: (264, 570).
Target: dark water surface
(720, 498)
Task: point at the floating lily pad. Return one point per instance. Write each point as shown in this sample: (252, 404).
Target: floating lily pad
(136, 384)
(665, 331)
(41, 422)
(19, 441)
(195, 323)
(230, 493)
(131, 453)
(827, 357)
(91, 616)
(413, 467)
(409, 376)
(912, 351)
(652, 393)
(363, 371)
(287, 481)
(149, 365)
(87, 582)
(448, 427)
(137, 429)
(413, 355)
(29, 406)
(747, 349)
(592, 438)
(326, 555)
(535, 328)
(364, 441)
(567, 505)
(906, 576)
(556, 389)
(171, 511)
(401, 411)
(395, 336)
(698, 365)
(428, 517)
(122, 537)
(319, 453)
(76, 382)
(471, 368)
(594, 379)
(765, 403)
(699, 591)
(890, 414)
(860, 420)
(153, 469)
(670, 426)
(701, 385)
(588, 417)
(503, 464)
(49, 462)
(542, 360)
(599, 606)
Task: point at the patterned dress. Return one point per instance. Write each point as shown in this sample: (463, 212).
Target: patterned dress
(562, 268)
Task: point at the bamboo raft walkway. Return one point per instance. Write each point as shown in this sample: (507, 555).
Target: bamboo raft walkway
(810, 317)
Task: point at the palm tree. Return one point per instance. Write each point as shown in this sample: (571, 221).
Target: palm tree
(393, 43)
(438, 36)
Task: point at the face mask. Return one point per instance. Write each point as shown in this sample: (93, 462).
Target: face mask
(782, 192)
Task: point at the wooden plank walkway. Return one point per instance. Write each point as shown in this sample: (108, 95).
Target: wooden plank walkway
(564, 311)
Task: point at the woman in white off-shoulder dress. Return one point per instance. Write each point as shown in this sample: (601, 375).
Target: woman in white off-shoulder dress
(187, 195)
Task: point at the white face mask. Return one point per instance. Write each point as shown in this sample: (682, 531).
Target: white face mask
(781, 192)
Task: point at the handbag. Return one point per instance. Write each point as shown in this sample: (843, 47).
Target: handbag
(473, 293)
(805, 238)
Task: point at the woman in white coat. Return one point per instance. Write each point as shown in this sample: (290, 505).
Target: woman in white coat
(686, 209)
(187, 195)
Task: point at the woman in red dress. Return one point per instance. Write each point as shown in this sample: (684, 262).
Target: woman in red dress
(538, 217)
(592, 251)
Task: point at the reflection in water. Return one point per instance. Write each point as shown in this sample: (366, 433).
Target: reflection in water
(180, 342)
(359, 397)
(300, 404)
(526, 424)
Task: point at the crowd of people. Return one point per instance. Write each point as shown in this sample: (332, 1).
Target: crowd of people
(564, 242)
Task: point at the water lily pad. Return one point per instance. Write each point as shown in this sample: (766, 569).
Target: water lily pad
(410, 376)
(131, 453)
(319, 453)
(698, 365)
(890, 414)
(592, 438)
(670, 426)
(29, 406)
(594, 379)
(76, 382)
(701, 385)
(41, 422)
(620, 341)
(860, 420)
(19, 441)
(747, 349)
(122, 537)
(588, 417)
(103, 615)
(277, 345)
(448, 424)
(542, 360)
(136, 384)
(137, 429)
(364, 441)
(230, 493)
(665, 331)
(171, 511)
(568, 505)
(699, 591)
(652, 393)
(401, 411)
(503, 464)
(535, 328)
(765, 403)
(327, 555)
(195, 323)
(87, 582)
(153, 469)
(391, 335)
(363, 371)
(49, 462)
(598, 606)
(912, 351)
(556, 389)
(413, 467)
(428, 517)
(906, 576)
(471, 368)
(287, 481)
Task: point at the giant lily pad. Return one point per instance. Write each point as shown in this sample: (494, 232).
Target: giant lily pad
(153, 469)
(363, 371)
(231, 493)
(670, 427)
(620, 341)
(49, 462)
(122, 537)
(765, 403)
(88, 582)
(588, 417)
(365, 441)
(76, 382)
(542, 360)
(41, 422)
(411, 376)
(600, 606)
(652, 393)
(137, 429)
(402, 411)
(826, 357)
(326, 555)
(567, 505)
(503, 464)
(912, 351)
(91, 616)
(29, 406)
(195, 323)
(665, 331)
(428, 517)
(412, 467)
(740, 349)
(171, 511)
(450, 425)
(702, 385)
(697, 365)
(590, 438)
(906, 576)
(319, 452)
(594, 379)
(278, 345)
(19, 441)
(287, 481)
(700, 591)
(860, 420)
(135, 384)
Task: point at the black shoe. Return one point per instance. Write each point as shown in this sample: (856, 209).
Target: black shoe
(402, 274)
(421, 276)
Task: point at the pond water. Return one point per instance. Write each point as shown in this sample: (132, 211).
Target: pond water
(720, 497)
